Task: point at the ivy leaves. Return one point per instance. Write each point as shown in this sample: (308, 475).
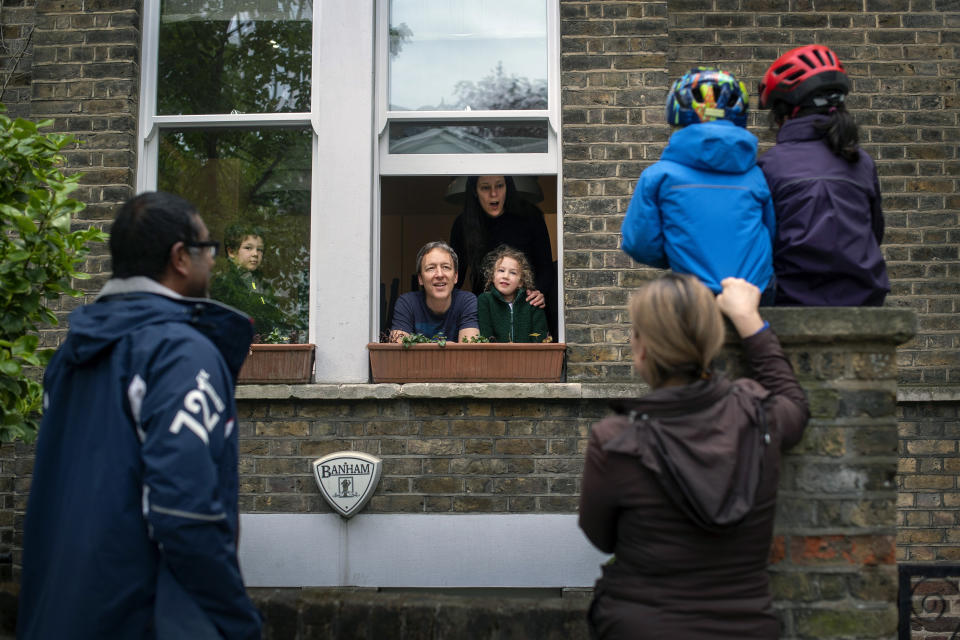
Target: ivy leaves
(39, 260)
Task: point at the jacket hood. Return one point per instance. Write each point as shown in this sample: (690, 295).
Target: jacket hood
(708, 467)
(127, 305)
(802, 129)
(713, 146)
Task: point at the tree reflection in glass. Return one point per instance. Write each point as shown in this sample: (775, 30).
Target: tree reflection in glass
(476, 54)
(231, 56)
(260, 179)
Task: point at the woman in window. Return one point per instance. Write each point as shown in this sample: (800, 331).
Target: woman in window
(494, 214)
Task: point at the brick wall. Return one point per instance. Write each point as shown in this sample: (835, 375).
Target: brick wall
(617, 60)
(929, 495)
(16, 54)
(85, 77)
(833, 558)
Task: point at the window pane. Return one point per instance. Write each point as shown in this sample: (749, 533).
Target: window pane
(477, 54)
(253, 190)
(234, 56)
(473, 137)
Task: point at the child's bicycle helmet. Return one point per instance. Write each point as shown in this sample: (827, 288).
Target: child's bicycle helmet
(800, 73)
(706, 94)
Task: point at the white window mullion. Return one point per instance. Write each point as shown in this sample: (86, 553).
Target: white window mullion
(343, 193)
(147, 134)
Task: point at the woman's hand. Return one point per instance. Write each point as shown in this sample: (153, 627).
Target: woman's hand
(739, 301)
(536, 299)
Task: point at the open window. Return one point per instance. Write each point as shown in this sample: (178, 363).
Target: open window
(465, 87)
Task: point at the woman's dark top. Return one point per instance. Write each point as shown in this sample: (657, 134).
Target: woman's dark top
(526, 232)
(681, 488)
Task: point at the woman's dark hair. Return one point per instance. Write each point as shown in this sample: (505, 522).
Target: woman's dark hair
(475, 231)
(839, 130)
(145, 228)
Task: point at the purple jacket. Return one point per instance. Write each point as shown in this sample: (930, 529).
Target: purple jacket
(829, 221)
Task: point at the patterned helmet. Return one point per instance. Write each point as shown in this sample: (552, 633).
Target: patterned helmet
(706, 94)
(800, 73)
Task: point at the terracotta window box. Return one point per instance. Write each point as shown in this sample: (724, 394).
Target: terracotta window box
(455, 362)
(278, 363)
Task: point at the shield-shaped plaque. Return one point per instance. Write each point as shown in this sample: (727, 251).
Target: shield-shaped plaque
(347, 479)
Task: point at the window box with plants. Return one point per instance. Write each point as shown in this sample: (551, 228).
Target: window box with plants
(278, 361)
(421, 359)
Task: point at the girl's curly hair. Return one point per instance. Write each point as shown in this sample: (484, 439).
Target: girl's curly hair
(493, 258)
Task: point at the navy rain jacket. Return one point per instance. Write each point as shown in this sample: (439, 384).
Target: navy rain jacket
(829, 221)
(704, 208)
(131, 528)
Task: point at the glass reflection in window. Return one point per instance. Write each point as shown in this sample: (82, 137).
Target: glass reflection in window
(468, 137)
(467, 54)
(233, 56)
(253, 189)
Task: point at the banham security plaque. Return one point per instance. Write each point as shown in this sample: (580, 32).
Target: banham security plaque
(347, 479)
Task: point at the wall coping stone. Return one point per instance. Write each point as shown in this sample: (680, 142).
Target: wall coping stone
(840, 324)
(928, 393)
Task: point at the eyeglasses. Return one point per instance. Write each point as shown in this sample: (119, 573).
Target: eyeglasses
(212, 246)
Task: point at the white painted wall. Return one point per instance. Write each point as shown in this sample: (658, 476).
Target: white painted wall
(416, 550)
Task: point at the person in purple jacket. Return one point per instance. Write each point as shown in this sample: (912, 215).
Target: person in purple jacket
(825, 187)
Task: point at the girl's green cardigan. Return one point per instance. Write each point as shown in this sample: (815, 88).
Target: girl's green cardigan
(500, 323)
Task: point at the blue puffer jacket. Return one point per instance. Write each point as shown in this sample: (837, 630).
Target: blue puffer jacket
(704, 208)
(131, 527)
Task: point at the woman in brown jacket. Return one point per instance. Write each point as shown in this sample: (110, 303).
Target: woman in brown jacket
(681, 484)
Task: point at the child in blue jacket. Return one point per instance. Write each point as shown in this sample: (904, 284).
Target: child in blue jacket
(704, 208)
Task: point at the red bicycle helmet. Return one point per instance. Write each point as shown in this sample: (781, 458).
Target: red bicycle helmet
(801, 72)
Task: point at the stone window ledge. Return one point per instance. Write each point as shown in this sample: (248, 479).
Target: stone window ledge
(435, 390)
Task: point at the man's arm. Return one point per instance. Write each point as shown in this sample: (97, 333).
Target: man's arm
(403, 320)
(468, 325)
(188, 423)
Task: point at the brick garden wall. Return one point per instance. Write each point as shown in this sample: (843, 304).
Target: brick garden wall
(833, 558)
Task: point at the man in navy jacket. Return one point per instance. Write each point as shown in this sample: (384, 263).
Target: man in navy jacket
(131, 527)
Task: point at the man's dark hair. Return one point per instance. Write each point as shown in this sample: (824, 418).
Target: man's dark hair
(145, 228)
(237, 233)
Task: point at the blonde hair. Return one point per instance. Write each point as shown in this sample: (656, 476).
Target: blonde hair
(681, 325)
(492, 259)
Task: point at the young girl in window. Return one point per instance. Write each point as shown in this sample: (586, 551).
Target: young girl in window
(503, 310)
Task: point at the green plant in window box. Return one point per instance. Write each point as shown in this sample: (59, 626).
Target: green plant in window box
(39, 259)
(419, 338)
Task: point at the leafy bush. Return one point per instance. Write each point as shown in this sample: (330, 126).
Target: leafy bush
(39, 255)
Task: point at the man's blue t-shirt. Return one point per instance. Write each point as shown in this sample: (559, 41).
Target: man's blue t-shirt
(412, 315)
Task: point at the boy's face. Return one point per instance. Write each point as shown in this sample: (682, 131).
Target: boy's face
(506, 277)
(437, 275)
(249, 255)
